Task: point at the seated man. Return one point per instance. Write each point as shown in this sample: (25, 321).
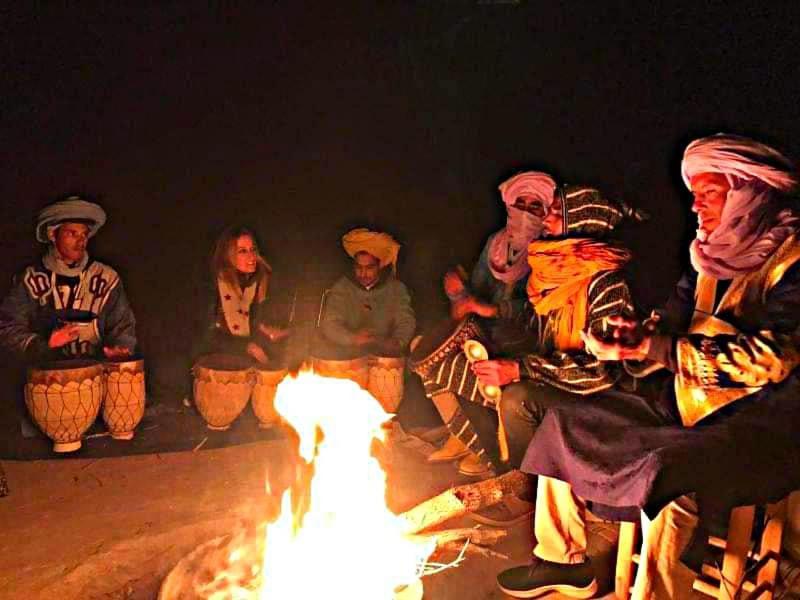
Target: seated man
(723, 430)
(67, 305)
(368, 311)
(495, 293)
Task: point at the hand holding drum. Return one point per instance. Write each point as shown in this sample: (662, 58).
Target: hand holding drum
(63, 336)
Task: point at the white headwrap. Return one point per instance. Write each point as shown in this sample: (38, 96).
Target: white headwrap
(71, 209)
(753, 224)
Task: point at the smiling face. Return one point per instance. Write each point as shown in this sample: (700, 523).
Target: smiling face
(710, 190)
(245, 254)
(366, 269)
(70, 240)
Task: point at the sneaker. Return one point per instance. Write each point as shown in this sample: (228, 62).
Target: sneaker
(510, 511)
(473, 465)
(452, 450)
(542, 577)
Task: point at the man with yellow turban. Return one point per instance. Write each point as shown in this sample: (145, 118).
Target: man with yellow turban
(369, 310)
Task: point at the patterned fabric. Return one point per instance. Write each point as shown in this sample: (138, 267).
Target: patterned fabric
(718, 363)
(586, 212)
(460, 425)
(40, 299)
(576, 371)
(559, 283)
(454, 375)
(236, 303)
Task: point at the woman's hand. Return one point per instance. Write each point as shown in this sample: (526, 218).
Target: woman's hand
(273, 333)
(255, 351)
(496, 372)
(63, 336)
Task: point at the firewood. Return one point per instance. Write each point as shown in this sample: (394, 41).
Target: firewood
(471, 549)
(460, 500)
(481, 536)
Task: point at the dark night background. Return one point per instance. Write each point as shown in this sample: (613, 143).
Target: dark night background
(303, 120)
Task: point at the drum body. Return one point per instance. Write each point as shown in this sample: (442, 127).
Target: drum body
(63, 398)
(222, 388)
(124, 397)
(442, 342)
(385, 380)
(356, 369)
(265, 384)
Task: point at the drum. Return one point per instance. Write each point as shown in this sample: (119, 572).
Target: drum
(385, 380)
(63, 398)
(265, 385)
(124, 397)
(356, 369)
(222, 388)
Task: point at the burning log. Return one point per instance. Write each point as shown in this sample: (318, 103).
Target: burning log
(475, 535)
(460, 500)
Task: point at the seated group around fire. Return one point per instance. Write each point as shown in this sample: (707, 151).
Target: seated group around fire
(545, 366)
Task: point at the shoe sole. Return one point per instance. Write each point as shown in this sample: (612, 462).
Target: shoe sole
(568, 590)
(455, 457)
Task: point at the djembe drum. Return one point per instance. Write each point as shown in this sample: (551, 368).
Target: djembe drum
(265, 385)
(385, 380)
(222, 387)
(124, 397)
(63, 398)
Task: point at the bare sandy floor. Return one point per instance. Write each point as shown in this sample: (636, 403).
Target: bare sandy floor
(112, 528)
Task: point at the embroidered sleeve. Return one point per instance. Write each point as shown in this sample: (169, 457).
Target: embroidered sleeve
(119, 321)
(577, 371)
(17, 336)
(748, 359)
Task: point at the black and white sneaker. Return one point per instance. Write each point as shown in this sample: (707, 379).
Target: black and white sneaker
(542, 577)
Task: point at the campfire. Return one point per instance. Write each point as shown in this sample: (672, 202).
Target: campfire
(334, 535)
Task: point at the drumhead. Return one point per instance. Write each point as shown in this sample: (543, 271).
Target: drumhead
(66, 365)
(224, 362)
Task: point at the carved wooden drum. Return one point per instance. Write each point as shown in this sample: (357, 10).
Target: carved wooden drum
(63, 398)
(222, 387)
(356, 369)
(265, 385)
(385, 380)
(124, 397)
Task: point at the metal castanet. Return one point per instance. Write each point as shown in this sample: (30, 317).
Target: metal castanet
(64, 398)
(124, 397)
(222, 387)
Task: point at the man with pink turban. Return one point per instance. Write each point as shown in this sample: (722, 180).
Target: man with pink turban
(717, 426)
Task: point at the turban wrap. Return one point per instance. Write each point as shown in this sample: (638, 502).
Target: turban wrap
(380, 245)
(754, 220)
(507, 252)
(71, 209)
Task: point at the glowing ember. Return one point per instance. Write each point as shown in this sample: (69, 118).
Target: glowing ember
(348, 544)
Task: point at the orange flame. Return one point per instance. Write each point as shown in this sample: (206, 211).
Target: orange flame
(335, 537)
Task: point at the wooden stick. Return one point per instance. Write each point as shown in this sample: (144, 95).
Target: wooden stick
(471, 549)
(460, 500)
(483, 537)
